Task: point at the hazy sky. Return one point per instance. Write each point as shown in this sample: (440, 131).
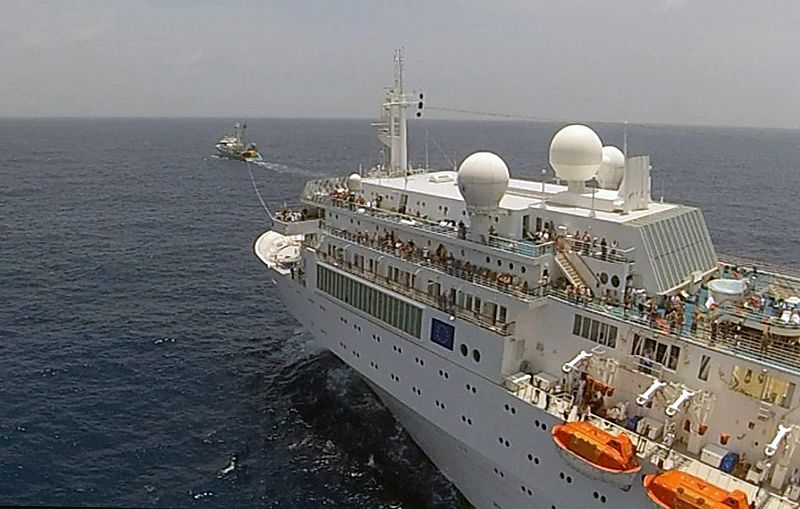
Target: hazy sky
(724, 62)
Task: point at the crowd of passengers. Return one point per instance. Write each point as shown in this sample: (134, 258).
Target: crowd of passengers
(443, 258)
(289, 215)
(670, 317)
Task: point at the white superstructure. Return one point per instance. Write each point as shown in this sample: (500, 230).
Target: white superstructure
(488, 312)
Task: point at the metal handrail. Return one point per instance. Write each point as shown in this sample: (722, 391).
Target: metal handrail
(528, 295)
(515, 246)
(439, 302)
(775, 354)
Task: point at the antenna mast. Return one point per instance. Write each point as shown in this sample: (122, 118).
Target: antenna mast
(393, 129)
(625, 139)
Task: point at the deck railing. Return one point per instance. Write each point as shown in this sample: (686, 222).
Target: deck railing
(440, 302)
(523, 248)
(777, 352)
(518, 291)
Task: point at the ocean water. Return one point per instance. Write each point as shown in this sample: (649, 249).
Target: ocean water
(146, 361)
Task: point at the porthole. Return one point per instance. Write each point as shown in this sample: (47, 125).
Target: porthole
(510, 266)
(603, 499)
(604, 278)
(464, 350)
(476, 355)
(488, 260)
(499, 263)
(615, 281)
(522, 269)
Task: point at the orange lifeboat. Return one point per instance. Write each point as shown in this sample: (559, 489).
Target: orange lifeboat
(674, 489)
(597, 453)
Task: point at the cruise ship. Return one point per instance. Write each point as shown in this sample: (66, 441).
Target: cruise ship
(564, 344)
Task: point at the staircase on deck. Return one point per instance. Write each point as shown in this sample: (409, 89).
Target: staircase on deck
(569, 270)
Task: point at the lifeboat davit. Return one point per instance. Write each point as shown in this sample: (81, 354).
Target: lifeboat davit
(597, 453)
(674, 489)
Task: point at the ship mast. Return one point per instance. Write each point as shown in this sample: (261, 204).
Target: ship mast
(393, 129)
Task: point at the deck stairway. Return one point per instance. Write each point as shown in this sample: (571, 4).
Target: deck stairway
(569, 270)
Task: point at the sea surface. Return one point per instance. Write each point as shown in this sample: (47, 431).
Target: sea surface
(146, 361)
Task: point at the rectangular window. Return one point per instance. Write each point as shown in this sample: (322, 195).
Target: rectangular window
(502, 314)
(674, 353)
(587, 325)
(595, 327)
(602, 336)
(769, 388)
(612, 336)
(395, 312)
(705, 361)
(443, 334)
(576, 325)
(636, 347)
(661, 354)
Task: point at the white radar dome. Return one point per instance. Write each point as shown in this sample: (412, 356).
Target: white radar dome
(354, 182)
(482, 180)
(576, 153)
(611, 171)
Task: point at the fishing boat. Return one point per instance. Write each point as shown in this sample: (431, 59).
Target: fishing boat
(232, 146)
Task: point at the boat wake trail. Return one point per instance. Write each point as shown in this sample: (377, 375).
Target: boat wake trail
(282, 168)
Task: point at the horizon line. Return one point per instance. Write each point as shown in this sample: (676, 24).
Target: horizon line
(372, 119)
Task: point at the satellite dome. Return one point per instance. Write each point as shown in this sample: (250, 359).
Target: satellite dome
(482, 180)
(576, 153)
(612, 169)
(354, 182)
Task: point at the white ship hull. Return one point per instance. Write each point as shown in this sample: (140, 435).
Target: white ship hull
(533, 472)
(472, 310)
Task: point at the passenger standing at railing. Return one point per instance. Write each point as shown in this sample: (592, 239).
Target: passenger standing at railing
(766, 339)
(462, 230)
